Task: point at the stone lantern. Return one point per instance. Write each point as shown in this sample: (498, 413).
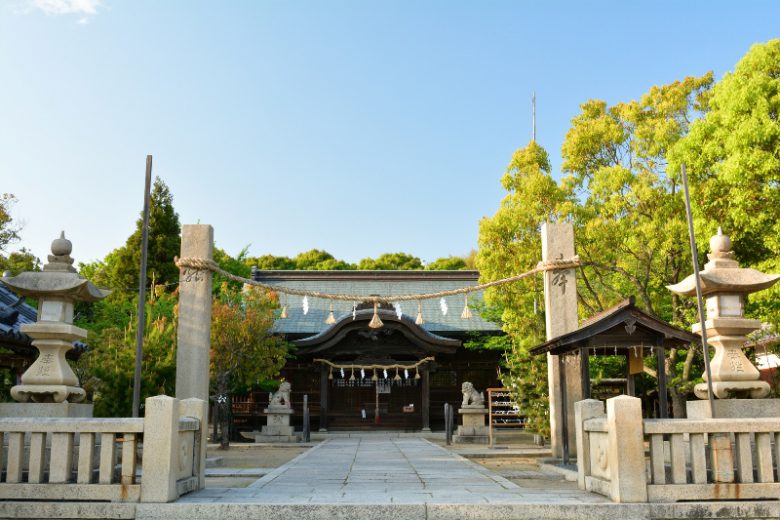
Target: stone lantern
(50, 379)
(725, 284)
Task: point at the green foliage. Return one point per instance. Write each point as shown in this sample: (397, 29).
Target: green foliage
(8, 231)
(391, 261)
(317, 260)
(449, 263)
(19, 262)
(106, 370)
(733, 160)
(120, 268)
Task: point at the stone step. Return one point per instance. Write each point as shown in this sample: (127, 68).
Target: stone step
(214, 462)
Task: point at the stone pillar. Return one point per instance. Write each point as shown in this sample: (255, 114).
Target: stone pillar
(584, 410)
(626, 451)
(194, 331)
(560, 300)
(473, 430)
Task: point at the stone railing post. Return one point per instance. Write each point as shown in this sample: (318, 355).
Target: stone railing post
(200, 410)
(626, 455)
(584, 410)
(161, 457)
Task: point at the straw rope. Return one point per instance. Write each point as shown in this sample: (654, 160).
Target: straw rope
(373, 367)
(203, 264)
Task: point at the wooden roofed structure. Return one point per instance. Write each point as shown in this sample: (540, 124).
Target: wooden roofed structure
(626, 330)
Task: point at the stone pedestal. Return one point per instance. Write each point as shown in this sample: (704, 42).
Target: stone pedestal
(62, 410)
(278, 428)
(735, 409)
(473, 429)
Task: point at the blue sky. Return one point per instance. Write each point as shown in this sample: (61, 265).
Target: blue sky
(359, 127)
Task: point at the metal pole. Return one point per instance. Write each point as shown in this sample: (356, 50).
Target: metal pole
(699, 300)
(306, 425)
(139, 333)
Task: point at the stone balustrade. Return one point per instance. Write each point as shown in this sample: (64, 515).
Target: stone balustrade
(631, 459)
(96, 459)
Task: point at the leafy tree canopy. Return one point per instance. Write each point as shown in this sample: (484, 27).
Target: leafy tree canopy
(9, 232)
(391, 261)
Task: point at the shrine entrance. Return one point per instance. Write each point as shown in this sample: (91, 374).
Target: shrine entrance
(375, 378)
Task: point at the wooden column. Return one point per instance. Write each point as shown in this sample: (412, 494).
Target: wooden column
(660, 367)
(585, 372)
(565, 447)
(425, 403)
(630, 383)
(324, 383)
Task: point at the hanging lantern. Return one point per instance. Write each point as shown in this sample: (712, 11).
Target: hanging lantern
(375, 322)
(419, 320)
(466, 315)
(331, 318)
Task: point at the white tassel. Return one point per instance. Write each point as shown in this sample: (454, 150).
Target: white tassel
(419, 320)
(398, 311)
(443, 305)
(305, 305)
(466, 315)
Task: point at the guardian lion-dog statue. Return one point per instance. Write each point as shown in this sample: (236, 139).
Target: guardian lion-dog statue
(470, 396)
(281, 398)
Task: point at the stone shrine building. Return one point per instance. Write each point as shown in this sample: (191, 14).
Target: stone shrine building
(336, 350)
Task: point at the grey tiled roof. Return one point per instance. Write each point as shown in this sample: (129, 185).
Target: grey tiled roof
(347, 283)
(26, 314)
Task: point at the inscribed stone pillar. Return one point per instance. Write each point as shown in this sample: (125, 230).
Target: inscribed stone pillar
(194, 331)
(560, 303)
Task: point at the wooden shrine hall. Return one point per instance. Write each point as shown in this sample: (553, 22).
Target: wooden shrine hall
(624, 330)
(397, 376)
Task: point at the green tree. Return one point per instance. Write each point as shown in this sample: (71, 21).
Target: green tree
(106, 370)
(270, 262)
(243, 351)
(449, 263)
(318, 260)
(19, 262)
(120, 269)
(391, 261)
(733, 157)
(9, 232)
(510, 243)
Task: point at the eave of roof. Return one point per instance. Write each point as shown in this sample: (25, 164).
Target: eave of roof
(621, 314)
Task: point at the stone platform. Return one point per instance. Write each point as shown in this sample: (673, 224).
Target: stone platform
(388, 478)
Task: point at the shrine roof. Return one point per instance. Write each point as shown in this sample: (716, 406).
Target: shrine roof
(13, 314)
(385, 283)
(623, 326)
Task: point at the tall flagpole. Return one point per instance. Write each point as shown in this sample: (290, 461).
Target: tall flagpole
(533, 117)
(139, 332)
(699, 300)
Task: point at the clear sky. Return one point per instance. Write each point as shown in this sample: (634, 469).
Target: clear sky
(359, 127)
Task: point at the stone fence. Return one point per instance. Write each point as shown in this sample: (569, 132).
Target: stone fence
(96, 459)
(631, 459)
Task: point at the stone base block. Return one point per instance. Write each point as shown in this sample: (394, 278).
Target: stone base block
(470, 439)
(728, 389)
(46, 410)
(734, 408)
(277, 429)
(472, 430)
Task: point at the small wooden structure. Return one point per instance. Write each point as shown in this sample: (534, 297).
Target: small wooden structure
(503, 412)
(624, 330)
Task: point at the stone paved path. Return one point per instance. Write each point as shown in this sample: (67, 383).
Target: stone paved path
(385, 471)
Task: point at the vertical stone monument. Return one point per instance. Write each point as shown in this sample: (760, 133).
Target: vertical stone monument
(473, 412)
(49, 387)
(560, 312)
(735, 381)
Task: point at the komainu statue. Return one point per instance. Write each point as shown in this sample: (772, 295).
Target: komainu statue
(470, 396)
(281, 398)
